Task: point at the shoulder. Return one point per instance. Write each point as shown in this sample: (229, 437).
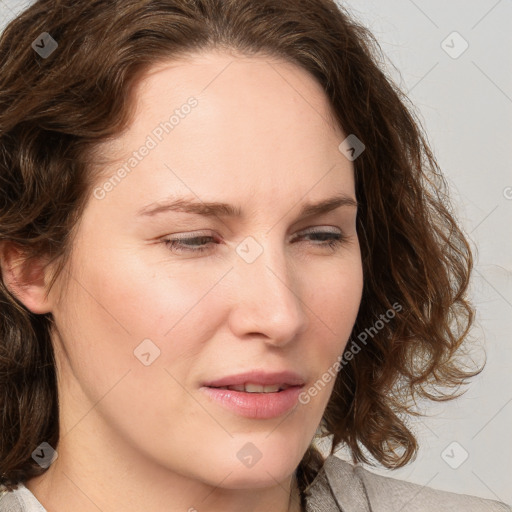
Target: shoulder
(353, 483)
(19, 500)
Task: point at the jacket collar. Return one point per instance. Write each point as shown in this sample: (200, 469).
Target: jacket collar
(337, 488)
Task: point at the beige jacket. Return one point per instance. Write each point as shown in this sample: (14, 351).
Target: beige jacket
(345, 487)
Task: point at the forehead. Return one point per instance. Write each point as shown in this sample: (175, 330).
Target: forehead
(259, 125)
(233, 91)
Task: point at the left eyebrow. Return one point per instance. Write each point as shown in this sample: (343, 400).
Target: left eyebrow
(213, 209)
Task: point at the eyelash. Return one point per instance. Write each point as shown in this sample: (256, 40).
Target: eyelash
(177, 245)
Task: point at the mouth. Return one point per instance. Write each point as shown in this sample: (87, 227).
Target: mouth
(254, 401)
(256, 394)
(255, 388)
(257, 381)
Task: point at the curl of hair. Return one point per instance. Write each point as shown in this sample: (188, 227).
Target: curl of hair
(56, 112)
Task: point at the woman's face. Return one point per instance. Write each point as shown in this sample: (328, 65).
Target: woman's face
(144, 325)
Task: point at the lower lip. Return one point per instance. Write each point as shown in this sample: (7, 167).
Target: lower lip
(255, 405)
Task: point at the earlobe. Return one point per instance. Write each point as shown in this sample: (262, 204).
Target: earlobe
(26, 279)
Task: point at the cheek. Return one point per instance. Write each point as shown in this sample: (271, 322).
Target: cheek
(110, 310)
(107, 315)
(150, 300)
(333, 293)
(334, 303)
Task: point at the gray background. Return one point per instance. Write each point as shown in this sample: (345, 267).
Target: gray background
(465, 103)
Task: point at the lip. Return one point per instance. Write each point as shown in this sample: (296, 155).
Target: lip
(289, 378)
(255, 405)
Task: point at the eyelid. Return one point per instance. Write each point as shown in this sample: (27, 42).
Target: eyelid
(179, 244)
(178, 238)
(312, 229)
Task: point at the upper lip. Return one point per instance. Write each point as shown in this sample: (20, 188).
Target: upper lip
(288, 378)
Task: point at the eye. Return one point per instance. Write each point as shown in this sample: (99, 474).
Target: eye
(199, 244)
(187, 244)
(329, 239)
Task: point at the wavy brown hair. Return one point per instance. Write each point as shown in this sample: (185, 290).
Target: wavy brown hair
(55, 112)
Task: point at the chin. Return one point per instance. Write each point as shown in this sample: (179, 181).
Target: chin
(258, 464)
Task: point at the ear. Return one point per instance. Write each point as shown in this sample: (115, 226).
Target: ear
(26, 280)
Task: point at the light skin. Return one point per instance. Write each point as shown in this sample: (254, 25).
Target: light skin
(136, 437)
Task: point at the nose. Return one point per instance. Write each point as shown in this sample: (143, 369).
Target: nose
(269, 298)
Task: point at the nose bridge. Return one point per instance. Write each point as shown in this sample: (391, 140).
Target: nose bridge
(269, 297)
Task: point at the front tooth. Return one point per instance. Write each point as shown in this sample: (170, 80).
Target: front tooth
(257, 388)
(239, 387)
